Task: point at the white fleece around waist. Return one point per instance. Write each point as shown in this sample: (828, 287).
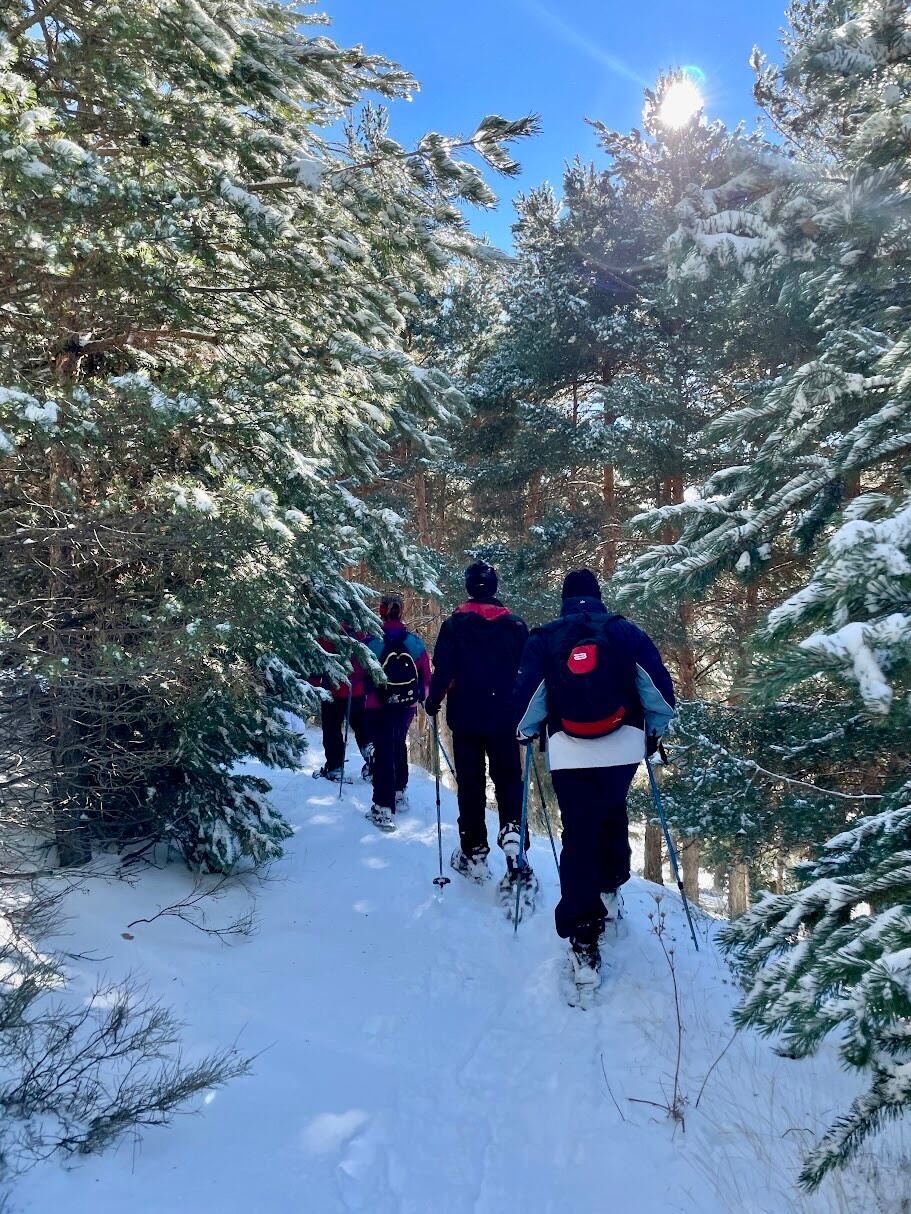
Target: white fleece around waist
(624, 745)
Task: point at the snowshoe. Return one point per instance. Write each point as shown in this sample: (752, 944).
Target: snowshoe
(381, 817)
(509, 838)
(334, 774)
(614, 926)
(473, 866)
(527, 883)
(401, 802)
(584, 973)
(367, 769)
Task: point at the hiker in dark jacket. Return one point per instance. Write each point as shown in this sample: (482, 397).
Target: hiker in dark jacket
(596, 685)
(474, 665)
(390, 709)
(346, 704)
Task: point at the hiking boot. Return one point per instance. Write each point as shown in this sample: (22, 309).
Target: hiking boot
(613, 924)
(586, 963)
(613, 906)
(381, 817)
(509, 839)
(522, 880)
(473, 866)
(330, 773)
(401, 801)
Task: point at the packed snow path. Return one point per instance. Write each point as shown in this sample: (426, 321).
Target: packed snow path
(413, 1056)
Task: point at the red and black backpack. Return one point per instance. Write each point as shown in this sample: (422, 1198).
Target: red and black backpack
(590, 679)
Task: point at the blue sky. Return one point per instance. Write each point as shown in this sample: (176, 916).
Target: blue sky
(566, 60)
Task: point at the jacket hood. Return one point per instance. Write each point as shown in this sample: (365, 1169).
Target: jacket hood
(392, 628)
(490, 610)
(580, 604)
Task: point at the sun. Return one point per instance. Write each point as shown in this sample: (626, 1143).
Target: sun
(681, 102)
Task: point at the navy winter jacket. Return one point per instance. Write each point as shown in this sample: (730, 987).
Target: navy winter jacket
(649, 702)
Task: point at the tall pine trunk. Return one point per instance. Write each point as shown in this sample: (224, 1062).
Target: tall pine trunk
(738, 891)
(690, 848)
(609, 495)
(68, 776)
(690, 851)
(652, 868)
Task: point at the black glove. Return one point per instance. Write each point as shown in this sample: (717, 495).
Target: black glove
(652, 742)
(432, 707)
(526, 739)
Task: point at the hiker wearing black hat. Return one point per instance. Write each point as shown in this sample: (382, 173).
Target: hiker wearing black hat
(596, 685)
(474, 666)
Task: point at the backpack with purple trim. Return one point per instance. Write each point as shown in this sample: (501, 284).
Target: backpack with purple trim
(590, 679)
(403, 680)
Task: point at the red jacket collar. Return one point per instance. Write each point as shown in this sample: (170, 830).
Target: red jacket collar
(487, 611)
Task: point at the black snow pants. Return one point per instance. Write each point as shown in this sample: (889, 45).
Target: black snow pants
(332, 715)
(469, 752)
(596, 851)
(389, 727)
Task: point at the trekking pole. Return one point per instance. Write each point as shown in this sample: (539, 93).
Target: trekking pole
(670, 847)
(439, 881)
(439, 741)
(550, 833)
(522, 829)
(341, 783)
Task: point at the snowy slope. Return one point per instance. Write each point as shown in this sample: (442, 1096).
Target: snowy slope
(414, 1056)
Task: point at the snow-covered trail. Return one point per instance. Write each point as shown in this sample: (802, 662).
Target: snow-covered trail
(413, 1055)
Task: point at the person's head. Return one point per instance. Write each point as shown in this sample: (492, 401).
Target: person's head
(391, 607)
(581, 584)
(481, 580)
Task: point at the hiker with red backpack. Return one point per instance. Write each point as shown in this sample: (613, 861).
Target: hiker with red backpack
(391, 707)
(596, 685)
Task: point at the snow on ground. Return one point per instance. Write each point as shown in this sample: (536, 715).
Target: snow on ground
(412, 1055)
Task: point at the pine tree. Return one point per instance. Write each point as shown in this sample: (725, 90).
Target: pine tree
(832, 959)
(819, 231)
(203, 357)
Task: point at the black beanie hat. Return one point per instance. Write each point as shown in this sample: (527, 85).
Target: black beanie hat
(481, 580)
(581, 584)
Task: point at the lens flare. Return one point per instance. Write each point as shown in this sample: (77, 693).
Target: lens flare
(681, 102)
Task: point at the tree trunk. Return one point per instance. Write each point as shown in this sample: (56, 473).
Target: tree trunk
(533, 501)
(738, 891)
(421, 748)
(652, 865)
(609, 497)
(421, 516)
(689, 861)
(780, 874)
(74, 844)
(672, 492)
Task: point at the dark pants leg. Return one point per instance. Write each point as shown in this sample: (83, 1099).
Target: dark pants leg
(506, 773)
(360, 723)
(332, 716)
(471, 778)
(390, 732)
(401, 753)
(596, 851)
